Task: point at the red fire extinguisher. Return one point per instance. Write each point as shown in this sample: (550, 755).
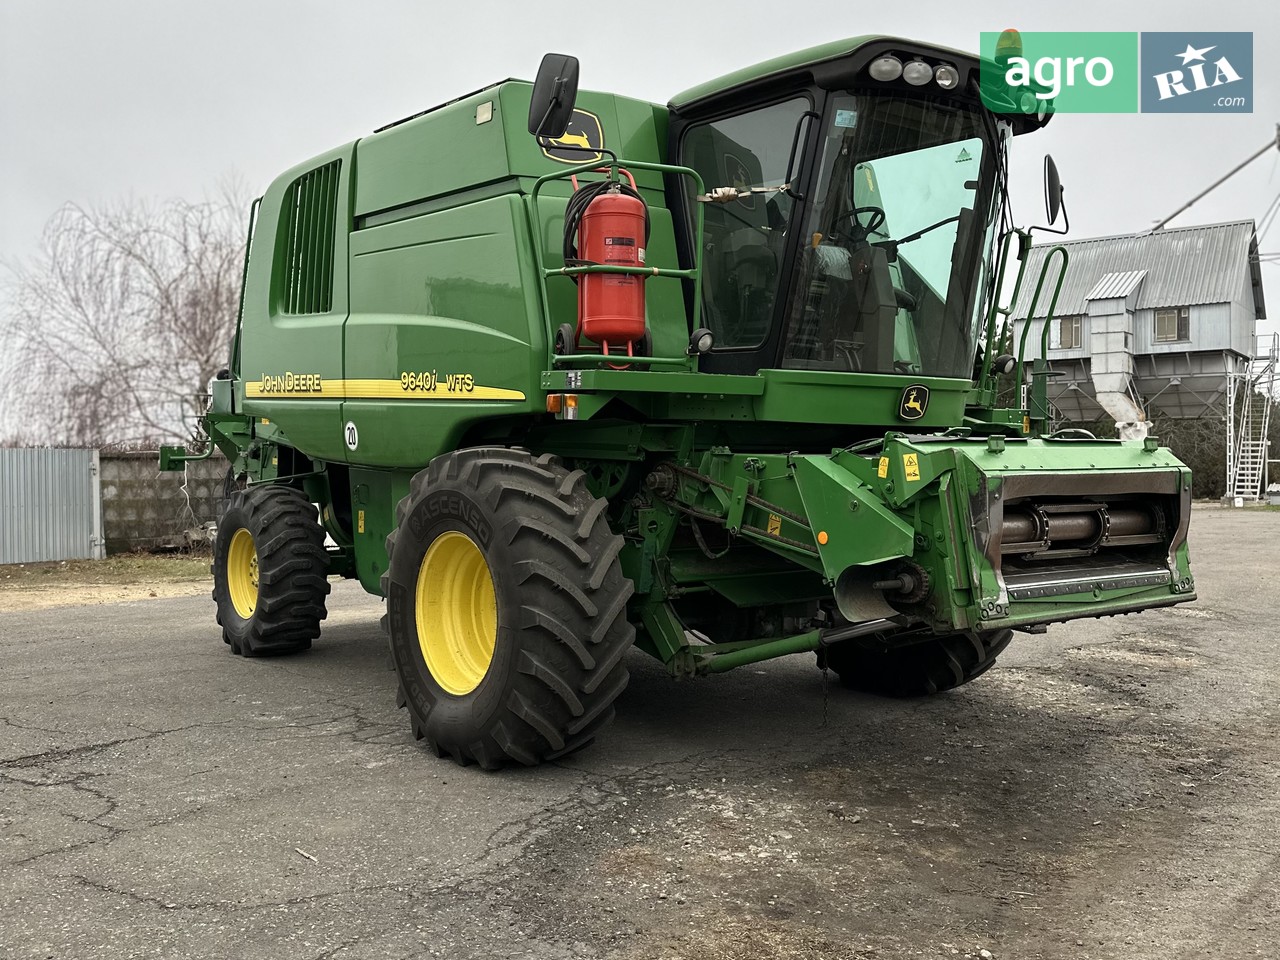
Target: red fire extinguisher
(611, 223)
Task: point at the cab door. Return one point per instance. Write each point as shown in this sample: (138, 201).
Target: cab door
(747, 243)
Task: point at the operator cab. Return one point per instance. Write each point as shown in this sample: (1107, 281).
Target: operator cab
(865, 201)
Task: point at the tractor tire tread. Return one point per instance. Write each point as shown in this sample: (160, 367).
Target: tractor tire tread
(568, 610)
(918, 669)
(293, 571)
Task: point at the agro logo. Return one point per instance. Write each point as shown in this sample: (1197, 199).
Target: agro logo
(915, 401)
(584, 132)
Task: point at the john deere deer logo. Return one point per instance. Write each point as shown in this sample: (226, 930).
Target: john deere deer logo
(583, 135)
(915, 401)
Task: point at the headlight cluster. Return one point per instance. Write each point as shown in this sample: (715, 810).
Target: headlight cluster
(1030, 104)
(915, 72)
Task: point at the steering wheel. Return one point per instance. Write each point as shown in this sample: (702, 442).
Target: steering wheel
(859, 231)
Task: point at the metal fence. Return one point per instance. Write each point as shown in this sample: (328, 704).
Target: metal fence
(50, 505)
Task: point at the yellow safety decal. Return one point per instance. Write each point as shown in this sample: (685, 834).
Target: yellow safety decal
(1026, 424)
(911, 466)
(882, 470)
(359, 521)
(775, 525)
(426, 385)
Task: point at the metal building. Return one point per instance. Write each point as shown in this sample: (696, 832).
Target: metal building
(1162, 322)
(50, 505)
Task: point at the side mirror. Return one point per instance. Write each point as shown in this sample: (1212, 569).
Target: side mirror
(554, 93)
(1052, 190)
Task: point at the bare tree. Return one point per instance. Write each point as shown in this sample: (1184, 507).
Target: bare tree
(121, 319)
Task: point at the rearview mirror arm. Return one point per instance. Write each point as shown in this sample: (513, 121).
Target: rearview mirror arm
(1066, 220)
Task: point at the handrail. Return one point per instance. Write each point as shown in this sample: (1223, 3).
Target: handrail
(1037, 403)
(694, 273)
(1035, 301)
(588, 359)
(1003, 261)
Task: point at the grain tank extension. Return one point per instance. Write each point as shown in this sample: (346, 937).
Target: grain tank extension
(563, 373)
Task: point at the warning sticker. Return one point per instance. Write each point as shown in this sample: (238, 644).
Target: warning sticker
(882, 470)
(775, 525)
(911, 466)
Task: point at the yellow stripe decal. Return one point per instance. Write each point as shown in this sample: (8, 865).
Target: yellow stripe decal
(360, 389)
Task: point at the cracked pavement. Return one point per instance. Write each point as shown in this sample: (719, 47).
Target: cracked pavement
(1110, 790)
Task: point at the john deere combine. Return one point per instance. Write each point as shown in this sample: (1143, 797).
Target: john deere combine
(570, 373)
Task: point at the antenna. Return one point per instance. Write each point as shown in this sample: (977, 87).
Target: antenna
(1275, 142)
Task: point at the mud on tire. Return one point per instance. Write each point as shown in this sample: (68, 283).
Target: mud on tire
(561, 607)
(291, 571)
(918, 669)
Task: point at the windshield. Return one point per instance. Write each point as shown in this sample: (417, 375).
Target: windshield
(895, 238)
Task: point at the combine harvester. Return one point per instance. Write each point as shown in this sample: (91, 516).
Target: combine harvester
(570, 373)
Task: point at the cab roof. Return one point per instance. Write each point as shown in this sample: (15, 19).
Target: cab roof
(769, 68)
(802, 60)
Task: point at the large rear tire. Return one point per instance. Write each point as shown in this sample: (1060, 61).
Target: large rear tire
(929, 666)
(506, 608)
(270, 571)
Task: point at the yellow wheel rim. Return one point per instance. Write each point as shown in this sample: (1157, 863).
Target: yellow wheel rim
(457, 613)
(242, 573)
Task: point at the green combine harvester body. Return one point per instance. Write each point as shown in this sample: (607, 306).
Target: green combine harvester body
(805, 451)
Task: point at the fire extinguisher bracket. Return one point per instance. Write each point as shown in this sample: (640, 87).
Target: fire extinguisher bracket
(613, 227)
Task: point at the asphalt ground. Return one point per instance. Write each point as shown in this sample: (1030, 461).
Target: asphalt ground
(1109, 790)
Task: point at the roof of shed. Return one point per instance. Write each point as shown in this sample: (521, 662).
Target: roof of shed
(1176, 267)
(1115, 285)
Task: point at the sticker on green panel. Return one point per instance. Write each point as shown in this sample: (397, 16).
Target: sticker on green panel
(581, 142)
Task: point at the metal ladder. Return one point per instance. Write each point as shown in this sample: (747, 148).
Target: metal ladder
(1248, 474)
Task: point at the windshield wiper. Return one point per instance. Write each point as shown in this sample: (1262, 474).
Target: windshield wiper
(892, 245)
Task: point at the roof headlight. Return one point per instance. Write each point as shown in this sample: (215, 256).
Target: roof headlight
(1028, 102)
(886, 68)
(917, 73)
(946, 76)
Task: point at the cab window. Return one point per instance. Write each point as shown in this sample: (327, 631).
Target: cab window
(743, 240)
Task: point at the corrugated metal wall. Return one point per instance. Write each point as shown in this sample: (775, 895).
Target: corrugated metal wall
(1210, 330)
(50, 505)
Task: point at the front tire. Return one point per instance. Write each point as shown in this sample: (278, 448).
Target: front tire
(270, 571)
(506, 608)
(928, 666)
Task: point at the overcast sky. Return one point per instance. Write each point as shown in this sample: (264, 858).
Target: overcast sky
(102, 100)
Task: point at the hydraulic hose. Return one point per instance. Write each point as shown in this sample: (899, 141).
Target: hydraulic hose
(578, 203)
